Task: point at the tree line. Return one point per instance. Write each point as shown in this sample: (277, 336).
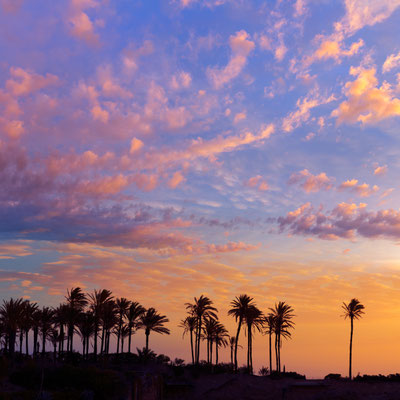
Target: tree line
(96, 316)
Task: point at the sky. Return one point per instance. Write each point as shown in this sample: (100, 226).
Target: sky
(166, 149)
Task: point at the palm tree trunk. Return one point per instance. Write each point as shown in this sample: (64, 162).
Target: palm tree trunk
(208, 350)
(232, 356)
(102, 341)
(96, 331)
(198, 342)
(216, 352)
(237, 342)
(270, 354)
(276, 352)
(21, 337)
(250, 366)
(43, 344)
(191, 345)
(119, 333)
(130, 338)
(147, 340)
(35, 336)
(211, 342)
(26, 341)
(122, 345)
(351, 346)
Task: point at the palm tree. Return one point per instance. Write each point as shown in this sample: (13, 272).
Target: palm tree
(270, 329)
(283, 314)
(152, 321)
(76, 301)
(97, 301)
(209, 329)
(201, 308)
(189, 325)
(220, 338)
(353, 310)
(239, 307)
(133, 313)
(26, 325)
(60, 320)
(11, 315)
(122, 307)
(45, 325)
(109, 319)
(254, 320)
(86, 330)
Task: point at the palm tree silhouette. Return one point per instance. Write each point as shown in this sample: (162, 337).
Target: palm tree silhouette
(76, 301)
(239, 307)
(151, 320)
(201, 308)
(26, 323)
(270, 329)
(45, 325)
(86, 331)
(220, 338)
(283, 314)
(189, 325)
(353, 310)
(122, 307)
(133, 313)
(254, 320)
(60, 319)
(97, 300)
(11, 315)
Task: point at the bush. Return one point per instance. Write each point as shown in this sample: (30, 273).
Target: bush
(333, 377)
(264, 371)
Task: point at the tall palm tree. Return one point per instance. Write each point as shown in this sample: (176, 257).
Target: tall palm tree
(254, 320)
(29, 310)
(151, 320)
(132, 315)
(122, 307)
(270, 329)
(11, 315)
(201, 308)
(86, 331)
(76, 301)
(209, 329)
(239, 307)
(60, 320)
(220, 338)
(283, 314)
(109, 319)
(97, 301)
(45, 325)
(353, 310)
(189, 325)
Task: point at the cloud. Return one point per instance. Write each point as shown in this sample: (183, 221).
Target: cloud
(364, 13)
(131, 56)
(239, 117)
(301, 115)
(181, 80)
(367, 103)
(81, 26)
(391, 62)
(346, 220)
(363, 190)
(176, 179)
(333, 49)
(11, 6)
(23, 83)
(309, 182)
(381, 170)
(257, 182)
(14, 249)
(136, 145)
(241, 47)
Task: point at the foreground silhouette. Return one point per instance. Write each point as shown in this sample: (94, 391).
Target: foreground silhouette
(353, 310)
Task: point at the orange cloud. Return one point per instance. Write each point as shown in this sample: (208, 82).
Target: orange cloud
(310, 182)
(367, 103)
(79, 22)
(391, 62)
(363, 190)
(330, 48)
(381, 170)
(176, 179)
(241, 47)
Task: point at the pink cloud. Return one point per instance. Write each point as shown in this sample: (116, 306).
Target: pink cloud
(25, 82)
(176, 180)
(257, 182)
(11, 5)
(241, 47)
(310, 182)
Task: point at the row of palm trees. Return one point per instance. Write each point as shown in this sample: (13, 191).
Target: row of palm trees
(202, 323)
(94, 317)
(98, 315)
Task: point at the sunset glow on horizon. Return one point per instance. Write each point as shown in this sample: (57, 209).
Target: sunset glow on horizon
(171, 148)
